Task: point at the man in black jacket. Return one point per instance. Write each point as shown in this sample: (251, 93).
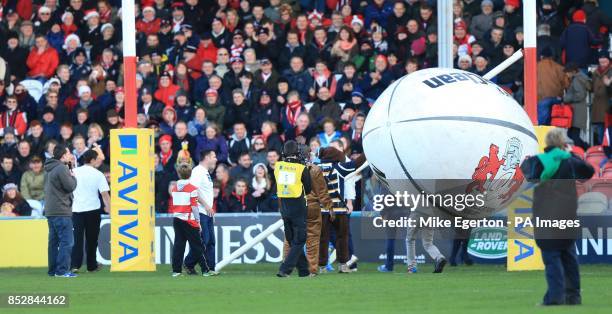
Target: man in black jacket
(59, 185)
(555, 199)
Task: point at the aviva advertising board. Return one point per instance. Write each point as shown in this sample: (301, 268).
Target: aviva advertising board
(132, 200)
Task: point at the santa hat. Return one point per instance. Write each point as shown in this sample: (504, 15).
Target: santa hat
(44, 9)
(105, 26)
(90, 13)
(315, 15)
(357, 19)
(460, 24)
(71, 37)
(65, 15)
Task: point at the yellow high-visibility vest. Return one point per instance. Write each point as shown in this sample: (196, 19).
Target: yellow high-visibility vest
(288, 179)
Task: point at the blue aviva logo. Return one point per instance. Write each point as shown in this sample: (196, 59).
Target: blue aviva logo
(128, 144)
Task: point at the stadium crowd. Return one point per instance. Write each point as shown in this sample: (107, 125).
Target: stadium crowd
(243, 77)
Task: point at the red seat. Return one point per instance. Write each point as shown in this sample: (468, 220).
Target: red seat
(602, 186)
(578, 151)
(581, 188)
(595, 156)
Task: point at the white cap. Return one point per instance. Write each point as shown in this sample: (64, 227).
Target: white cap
(84, 89)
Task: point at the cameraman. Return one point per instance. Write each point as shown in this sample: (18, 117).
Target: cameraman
(59, 185)
(292, 185)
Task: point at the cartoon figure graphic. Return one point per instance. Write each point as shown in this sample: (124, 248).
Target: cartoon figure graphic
(513, 154)
(486, 170)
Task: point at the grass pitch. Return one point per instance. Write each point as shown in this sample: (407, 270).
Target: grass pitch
(255, 289)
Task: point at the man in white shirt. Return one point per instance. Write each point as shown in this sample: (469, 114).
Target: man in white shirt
(91, 183)
(200, 177)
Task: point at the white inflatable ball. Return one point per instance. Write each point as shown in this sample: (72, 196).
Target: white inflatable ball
(446, 130)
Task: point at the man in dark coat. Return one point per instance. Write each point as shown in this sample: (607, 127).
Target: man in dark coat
(555, 200)
(577, 40)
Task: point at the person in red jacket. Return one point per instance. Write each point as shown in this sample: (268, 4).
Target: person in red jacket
(42, 60)
(166, 91)
(12, 117)
(183, 205)
(149, 24)
(207, 51)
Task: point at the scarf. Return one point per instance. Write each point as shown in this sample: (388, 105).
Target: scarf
(165, 157)
(347, 45)
(241, 199)
(551, 161)
(294, 109)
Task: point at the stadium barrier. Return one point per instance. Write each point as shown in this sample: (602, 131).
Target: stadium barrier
(24, 240)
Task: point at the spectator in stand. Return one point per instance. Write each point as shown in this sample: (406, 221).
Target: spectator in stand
(211, 139)
(265, 110)
(270, 135)
(577, 40)
(547, 42)
(15, 55)
(240, 200)
(238, 111)
(303, 130)
(602, 93)
(483, 22)
(347, 83)
(36, 138)
(260, 187)
(243, 169)
(181, 137)
(551, 83)
(344, 48)
(24, 153)
(33, 180)
(576, 95)
(329, 133)
(12, 117)
(168, 121)
(14, 200)
(162, 186)
(258, 150)
(166, 90)
(294, 107)
(149, 23)
(298, 77)
(197, 126)
(42, 60)
(166, 155)
(215, 111)
(239, 143)
(150, 107)
(325, 107)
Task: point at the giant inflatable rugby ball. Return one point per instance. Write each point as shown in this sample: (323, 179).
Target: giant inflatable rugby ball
(449, 131)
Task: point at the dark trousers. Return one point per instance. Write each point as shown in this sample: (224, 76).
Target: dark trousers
(341, 228)
(390, 251)
(183, 233)
(61, 240)
(460, 246)
(207, 236)
(294, 220)
(86, 226)
(562, 276)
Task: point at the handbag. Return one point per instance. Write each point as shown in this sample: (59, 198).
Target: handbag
(561, 115)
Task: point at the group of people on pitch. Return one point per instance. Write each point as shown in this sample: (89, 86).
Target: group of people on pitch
(314, 198)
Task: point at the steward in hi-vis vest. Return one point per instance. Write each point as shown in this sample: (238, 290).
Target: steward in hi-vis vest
(293, 184)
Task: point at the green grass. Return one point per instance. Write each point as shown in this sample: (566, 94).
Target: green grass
(254, 289)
